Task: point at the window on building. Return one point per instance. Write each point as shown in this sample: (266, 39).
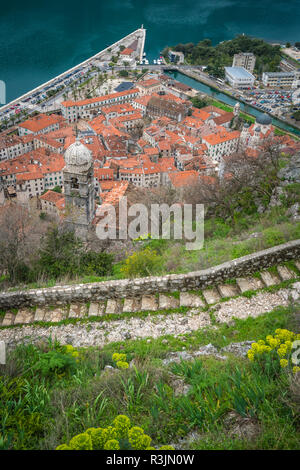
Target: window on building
(74, 183)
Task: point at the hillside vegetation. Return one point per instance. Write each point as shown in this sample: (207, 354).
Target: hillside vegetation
(50, 393)
(217, 57)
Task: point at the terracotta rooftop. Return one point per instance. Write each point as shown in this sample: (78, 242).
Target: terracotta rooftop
(52, 196)
(98, 99)
(184, 178)
(41, 121)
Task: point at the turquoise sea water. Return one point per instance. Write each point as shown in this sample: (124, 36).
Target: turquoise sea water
(42, 39)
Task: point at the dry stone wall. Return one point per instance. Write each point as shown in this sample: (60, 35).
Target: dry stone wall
(127, 288)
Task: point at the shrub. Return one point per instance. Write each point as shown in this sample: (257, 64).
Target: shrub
(96, 263)
(55, 363)
(121, 436)
(141, 263)
(275, 351)
(81, 442)
(273, 236)
(120, 360)
(63, 254)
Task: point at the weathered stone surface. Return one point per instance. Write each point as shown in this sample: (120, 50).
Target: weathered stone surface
(179, 385)
(149, 302)
(242, 307)
(285, 273)
(211, 295)
(228, 290)
(190, 300)
(207, 350)
(238, 349)
(249, 283)
(39, 314)
(77, 310)
(297, 263)
(241, 427)
(166, 301)
(24, 315)
(131, 305)
(96, 309)
(113, 306)
(8, 319)
(270, 279)
(55, 315)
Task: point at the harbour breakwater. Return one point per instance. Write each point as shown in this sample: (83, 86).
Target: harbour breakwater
(85, 63)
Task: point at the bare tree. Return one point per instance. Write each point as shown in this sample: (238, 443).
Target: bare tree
(20, 234)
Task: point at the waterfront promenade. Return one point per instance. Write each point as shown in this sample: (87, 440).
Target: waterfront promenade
(105, 54)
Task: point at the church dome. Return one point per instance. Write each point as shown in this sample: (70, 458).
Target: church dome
(264, 119)
(77, 155)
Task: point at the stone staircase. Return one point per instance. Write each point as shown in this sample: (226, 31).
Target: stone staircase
(159, 302)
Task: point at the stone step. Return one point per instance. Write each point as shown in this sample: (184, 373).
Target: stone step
(77, 310)
(8, 319)
(228, 290)
(131, 305)
(24, 315)
(149, 302)
(190, 300)
(270, 279)
(249, 283)
(211, 295)
(96, 309)
(56, 315)
(166, 302)
(40, 314)
(297, 263)
(285, 273)
(113, 306)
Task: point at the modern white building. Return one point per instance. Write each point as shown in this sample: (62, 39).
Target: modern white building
(281, 79)
(238, 77)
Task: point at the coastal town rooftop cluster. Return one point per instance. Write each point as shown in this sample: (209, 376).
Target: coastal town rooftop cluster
(147, 136)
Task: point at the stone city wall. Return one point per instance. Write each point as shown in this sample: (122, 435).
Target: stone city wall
(119, 289)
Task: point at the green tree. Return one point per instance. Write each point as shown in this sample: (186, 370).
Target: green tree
(60, 253)
(123, 73)
(57, 189)
(296, 115)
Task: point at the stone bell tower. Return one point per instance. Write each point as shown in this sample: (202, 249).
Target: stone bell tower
(79, 188)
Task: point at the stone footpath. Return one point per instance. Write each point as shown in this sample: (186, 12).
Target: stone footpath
(201, 299)
(153, 326)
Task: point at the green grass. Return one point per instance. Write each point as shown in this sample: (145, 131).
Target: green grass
(47, 410)
(223, 242)
(41, 408)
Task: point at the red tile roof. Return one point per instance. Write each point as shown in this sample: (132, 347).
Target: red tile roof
(41, 121)
(184, 178)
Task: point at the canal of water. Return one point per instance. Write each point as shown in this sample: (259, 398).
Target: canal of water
(228, 100)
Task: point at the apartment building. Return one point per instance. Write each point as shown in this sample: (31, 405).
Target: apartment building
(41, 124)
(221, 143)
(87, 109)
(147, 87)
(12, 146)
(245, 60)
(281, 79)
